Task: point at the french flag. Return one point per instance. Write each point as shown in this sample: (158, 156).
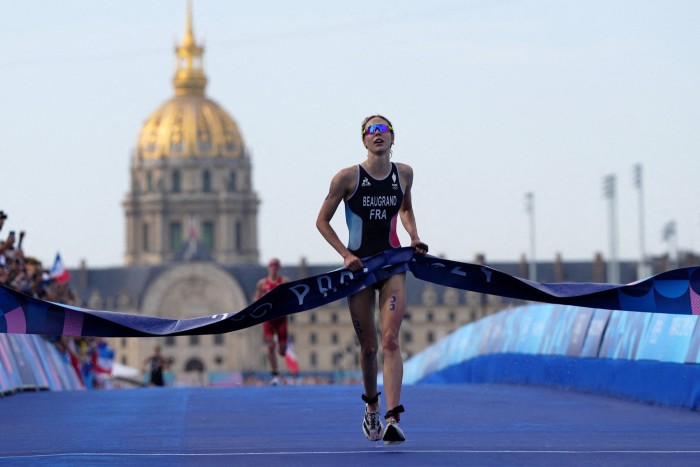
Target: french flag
(59, 272)
(291, 359)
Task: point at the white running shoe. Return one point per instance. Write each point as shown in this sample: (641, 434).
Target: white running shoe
(275, 381)
(372, 424)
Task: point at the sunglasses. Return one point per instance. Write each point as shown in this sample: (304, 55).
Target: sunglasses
(380, 127)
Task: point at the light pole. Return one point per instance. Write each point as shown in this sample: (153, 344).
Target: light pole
(643, 269)
(610, 194)
(530, 209)
(670, 235)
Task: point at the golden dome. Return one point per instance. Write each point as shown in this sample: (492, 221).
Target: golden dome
(189, 124)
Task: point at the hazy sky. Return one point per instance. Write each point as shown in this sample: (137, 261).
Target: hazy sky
(489, 99)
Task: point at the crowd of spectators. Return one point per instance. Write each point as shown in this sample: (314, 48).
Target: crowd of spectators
(28, 275)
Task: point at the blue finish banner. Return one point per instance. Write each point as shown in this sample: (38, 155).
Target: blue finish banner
(674, 292)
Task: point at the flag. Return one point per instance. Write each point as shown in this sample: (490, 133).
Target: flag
(291, 359)
(669, 230)
(103, 358)
(59, 272)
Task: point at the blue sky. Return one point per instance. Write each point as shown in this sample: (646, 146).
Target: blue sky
(490, 100)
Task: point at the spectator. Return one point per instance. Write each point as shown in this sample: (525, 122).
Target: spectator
(156, 365)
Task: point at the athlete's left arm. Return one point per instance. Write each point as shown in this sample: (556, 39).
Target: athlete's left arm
(408, 219)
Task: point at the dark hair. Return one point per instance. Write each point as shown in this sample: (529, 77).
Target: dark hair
(364, 124)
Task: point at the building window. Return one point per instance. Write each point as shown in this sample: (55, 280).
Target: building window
(334, 338)
(175, 236)
(218, 339)
(313, 338)
(334, 317)
(407, 337)
(312, 317)
(149, 181)
(170, 341)
(208, 235)
(313, 361)
(407, 316)
(430, 337)
(123, 342)
(452, 316)
(231, 183)
(146, 237)
(429, 317)
(194, 364)
(206, 181)
(239, 236)
(177, 183)
(219, 360)
(194, 340)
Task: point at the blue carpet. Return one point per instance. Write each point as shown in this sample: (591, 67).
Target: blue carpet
(455, 424)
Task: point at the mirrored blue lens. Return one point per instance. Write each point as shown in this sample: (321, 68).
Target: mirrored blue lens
(370, 130)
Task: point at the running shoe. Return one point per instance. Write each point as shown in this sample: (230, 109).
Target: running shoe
(392, 433)
(372, 424)
(275, 381)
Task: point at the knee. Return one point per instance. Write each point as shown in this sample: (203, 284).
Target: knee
(390, 342)
(369, 351)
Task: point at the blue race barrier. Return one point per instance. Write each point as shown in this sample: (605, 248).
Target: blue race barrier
(30, 362)
(644, 356)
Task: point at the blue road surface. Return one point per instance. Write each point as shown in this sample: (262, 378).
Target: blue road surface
(451, 424)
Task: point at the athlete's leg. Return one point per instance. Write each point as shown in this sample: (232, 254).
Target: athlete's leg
(269, 337)
(362, 314)
(282, 336)
(392, 303)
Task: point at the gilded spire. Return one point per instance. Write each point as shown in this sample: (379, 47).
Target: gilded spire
(189, 77)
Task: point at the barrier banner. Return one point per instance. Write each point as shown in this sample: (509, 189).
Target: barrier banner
(623, 334)
(675, 292)
(667, 338)
(25, 370)
(566, 330)
(594, 335)
(9, 373)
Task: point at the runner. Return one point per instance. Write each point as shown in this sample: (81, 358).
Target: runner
(277, 326)
(375, 193)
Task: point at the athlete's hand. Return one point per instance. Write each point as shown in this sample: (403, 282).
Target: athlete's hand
(421, 248)
(353, 263)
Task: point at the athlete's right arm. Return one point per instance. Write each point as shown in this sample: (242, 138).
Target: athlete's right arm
(341, 185)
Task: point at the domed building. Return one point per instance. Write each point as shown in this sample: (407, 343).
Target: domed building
(191, 230)
(190, 177)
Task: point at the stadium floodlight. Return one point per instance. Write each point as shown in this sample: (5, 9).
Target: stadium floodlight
(610, 193)
(530, 209)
